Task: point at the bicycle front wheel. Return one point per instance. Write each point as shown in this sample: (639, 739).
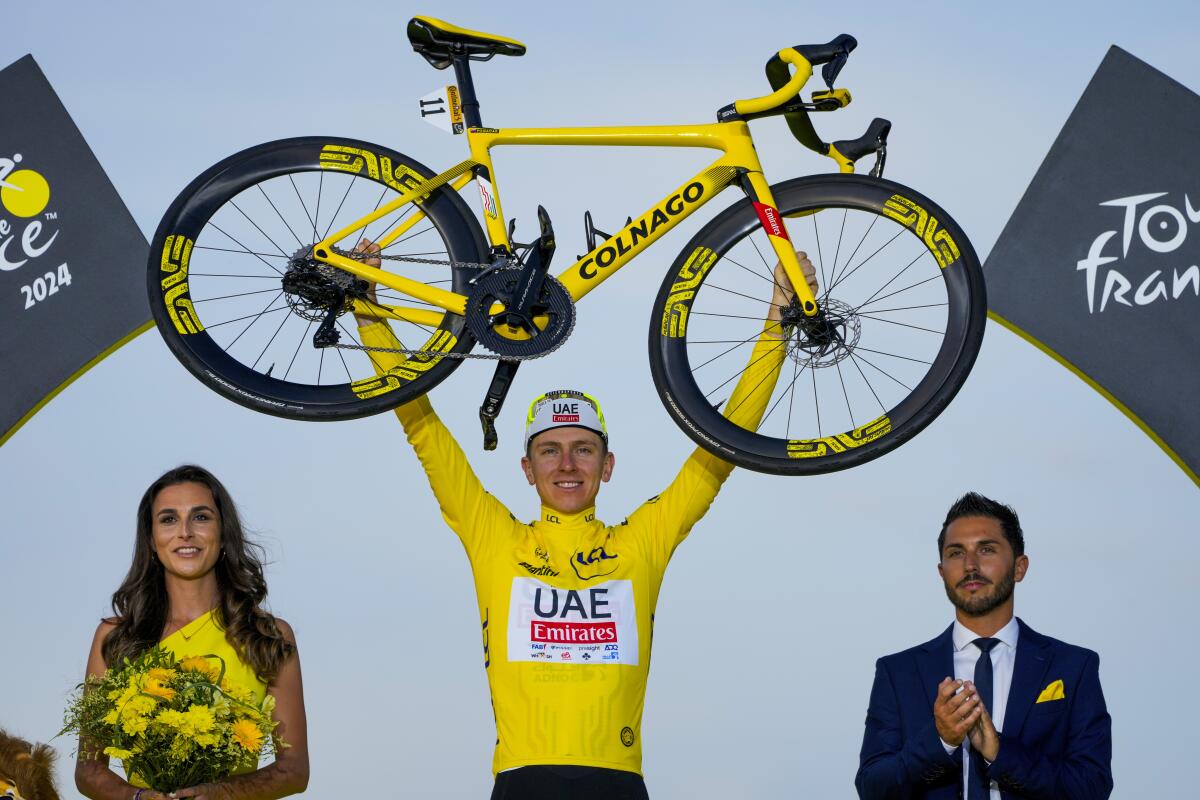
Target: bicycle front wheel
(904, 301)
(238, 298)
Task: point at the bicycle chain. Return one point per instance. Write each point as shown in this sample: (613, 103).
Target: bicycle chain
(359, 256)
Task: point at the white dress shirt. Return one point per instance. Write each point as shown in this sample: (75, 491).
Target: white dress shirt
(1004, 657)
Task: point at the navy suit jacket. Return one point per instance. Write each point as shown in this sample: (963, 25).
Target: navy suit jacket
(1055, 749)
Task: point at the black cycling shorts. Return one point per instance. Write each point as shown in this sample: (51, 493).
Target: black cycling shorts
(568, 783)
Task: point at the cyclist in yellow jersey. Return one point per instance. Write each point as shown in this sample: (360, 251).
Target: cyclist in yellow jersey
(566, 603)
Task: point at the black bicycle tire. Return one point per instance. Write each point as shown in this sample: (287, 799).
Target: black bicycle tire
(687, 405)
(197, 351)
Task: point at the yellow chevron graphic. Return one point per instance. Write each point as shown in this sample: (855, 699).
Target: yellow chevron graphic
(408, 370)
(839, 443)
(908, 213)
(675, 310)
(174, 263)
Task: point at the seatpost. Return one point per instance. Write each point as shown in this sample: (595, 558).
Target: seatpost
(466, 91)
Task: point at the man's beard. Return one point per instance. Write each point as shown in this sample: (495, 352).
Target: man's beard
(980, 605)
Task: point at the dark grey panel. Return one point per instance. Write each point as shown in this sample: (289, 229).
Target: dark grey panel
(1099, 262)
(57, 208)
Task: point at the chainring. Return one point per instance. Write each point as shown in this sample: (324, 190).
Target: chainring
(553, 316)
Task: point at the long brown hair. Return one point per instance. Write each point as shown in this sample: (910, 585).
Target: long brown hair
(140, 605)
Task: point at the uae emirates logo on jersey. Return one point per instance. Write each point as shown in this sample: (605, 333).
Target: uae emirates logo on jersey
(596, 625)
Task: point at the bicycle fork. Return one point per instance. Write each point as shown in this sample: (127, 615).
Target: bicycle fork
(759, 192)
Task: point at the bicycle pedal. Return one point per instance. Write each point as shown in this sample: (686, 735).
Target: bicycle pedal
(490, 439)
(493, 401)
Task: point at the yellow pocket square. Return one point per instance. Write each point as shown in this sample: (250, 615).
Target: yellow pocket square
(1052, 692)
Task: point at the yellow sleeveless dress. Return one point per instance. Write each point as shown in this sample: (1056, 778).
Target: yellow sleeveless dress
(204, 636)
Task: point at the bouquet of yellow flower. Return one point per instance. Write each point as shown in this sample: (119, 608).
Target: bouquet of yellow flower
(172, 723)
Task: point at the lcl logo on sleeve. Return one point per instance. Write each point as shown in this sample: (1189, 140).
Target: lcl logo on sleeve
(595, 624)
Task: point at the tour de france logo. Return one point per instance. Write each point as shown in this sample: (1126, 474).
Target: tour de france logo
(28, 229)
(23, 192)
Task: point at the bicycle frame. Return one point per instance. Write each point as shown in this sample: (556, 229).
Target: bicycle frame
(738, 163)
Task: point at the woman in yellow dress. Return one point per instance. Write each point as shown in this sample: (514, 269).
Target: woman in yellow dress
(196, 587)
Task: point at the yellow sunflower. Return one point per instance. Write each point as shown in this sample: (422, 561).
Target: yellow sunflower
(247, 734)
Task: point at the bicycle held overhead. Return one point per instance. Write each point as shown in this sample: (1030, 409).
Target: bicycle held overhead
(253, 272)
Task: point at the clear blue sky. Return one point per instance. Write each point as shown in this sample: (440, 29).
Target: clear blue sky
(774, 611)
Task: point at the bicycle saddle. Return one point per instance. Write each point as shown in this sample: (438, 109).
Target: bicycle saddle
(440, 41)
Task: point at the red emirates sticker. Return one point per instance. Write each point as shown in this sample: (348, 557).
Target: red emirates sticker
(564, 418)
(572, 632)
(770, 220)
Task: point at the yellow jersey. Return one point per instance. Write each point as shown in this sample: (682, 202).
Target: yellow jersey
(566, 602)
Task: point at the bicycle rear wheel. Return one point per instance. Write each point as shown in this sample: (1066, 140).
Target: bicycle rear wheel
(237, 300)
(901, 286)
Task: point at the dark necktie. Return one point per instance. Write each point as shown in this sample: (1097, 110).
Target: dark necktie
(977, 782)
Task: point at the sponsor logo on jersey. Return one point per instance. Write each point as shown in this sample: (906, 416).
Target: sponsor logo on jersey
(545, 569)
(572, 632)
(593, 563)
(575, 624)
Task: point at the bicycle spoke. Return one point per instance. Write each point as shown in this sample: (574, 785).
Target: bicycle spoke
(320, 193)
(898, 291)
(270, 266)
(237, 252)
(792, 397)
(349, 377)
(904, 324)
(910, 308)
(867, 381)
(256, 318)
(872, 364)
(338, 210)
(845, 394)
(727, 352)
(209, 327)
(841, 233)
(256, 226)
(743, 369)
(228, 296)
(761, 381)
(816, 403)
(755, 273)
(850, 259)
(363, 231)
(281, 219)
(269, 342)
(300, 344)
(740, 294)
(230, 275)
(893, 355)
(817, 236)
(788, 391)
(867, 302)
(371, 356)
(304, 205)
(727, 316)
(865, 260)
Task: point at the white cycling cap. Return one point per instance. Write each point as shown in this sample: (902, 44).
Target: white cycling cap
(564, 408)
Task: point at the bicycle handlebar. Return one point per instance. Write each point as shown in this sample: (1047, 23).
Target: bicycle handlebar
(803, 57)
(786, 87)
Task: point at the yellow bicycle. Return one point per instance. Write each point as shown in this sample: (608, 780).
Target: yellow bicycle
(253, 269)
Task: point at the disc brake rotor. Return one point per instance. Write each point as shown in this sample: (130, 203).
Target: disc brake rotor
(833, 342)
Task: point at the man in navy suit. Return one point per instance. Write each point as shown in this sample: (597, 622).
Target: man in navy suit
(990, 709)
